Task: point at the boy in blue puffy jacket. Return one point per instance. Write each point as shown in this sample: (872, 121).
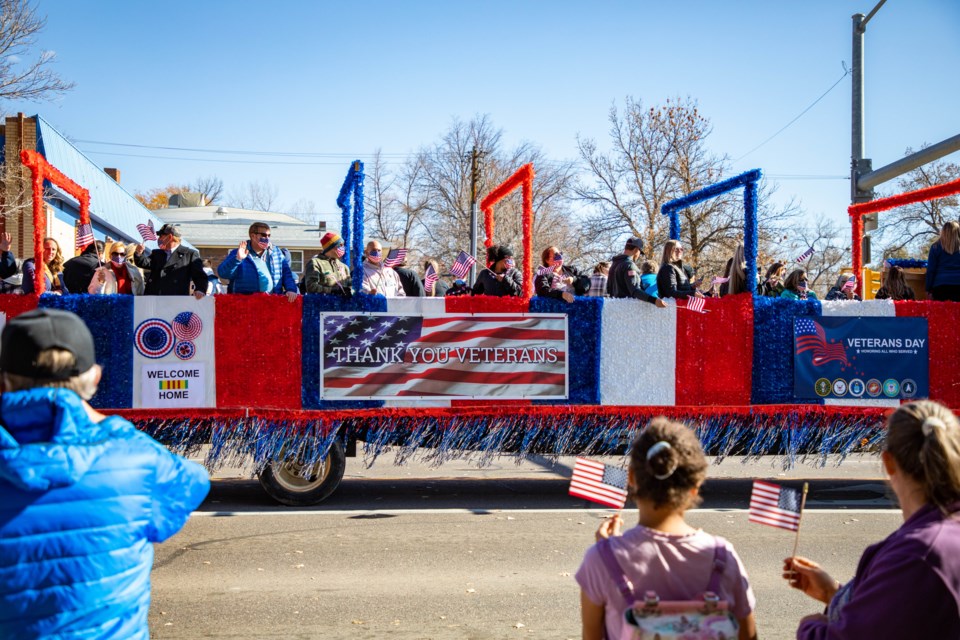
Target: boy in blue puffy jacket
(82, 495)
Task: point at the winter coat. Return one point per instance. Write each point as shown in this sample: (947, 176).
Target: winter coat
(548, 283)
(256, 275)
(674, 282)
(623, 280)
(487, 284)
(82, 502)
(942, 268)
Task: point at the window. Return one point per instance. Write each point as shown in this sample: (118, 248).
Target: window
(296, 261)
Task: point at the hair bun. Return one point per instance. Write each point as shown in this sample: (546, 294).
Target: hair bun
(661, 460)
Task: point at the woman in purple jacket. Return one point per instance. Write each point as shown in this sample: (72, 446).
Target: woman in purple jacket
(907, 586)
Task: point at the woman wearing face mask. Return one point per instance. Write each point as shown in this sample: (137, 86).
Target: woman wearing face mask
(501, 277)
(556, 279)
(378, 279)
(117, 275)
(52, 269)
(795, 287)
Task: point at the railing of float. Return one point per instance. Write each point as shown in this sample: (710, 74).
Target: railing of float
(245, 373)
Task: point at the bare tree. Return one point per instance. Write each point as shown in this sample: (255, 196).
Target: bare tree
(21, 79)
(909, 231)
(211, 188)
(831, 245)
(257, 196)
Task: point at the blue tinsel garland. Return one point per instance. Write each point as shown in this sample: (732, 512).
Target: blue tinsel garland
(343, 201)
(748, 180)
(584, 318)
(356, 258)
(313, 306)
(773, 349)
(907, 263)
(110, 320)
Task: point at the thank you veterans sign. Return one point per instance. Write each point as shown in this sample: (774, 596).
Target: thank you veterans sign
(497, 356)
(174, 357)
(861, 358)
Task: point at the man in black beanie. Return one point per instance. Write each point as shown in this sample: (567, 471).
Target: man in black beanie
(501, 277)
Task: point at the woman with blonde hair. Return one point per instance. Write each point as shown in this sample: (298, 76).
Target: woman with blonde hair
(735, 273)
(52, 269)
(907, 586)
(116, 275)
(672, 278)
(943, 265)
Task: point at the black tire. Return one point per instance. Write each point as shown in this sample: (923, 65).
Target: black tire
(286, 483)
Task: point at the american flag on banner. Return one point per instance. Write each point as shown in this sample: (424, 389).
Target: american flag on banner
(430, 278)
(461, 266)
(84, 236)
(377, 356)
(598, 482)
(805, 255)
(774, 505)
(810, 336)
(146, 231)
(395, 257)
(696, 304)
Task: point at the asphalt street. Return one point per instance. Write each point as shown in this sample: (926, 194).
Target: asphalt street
(459, 552)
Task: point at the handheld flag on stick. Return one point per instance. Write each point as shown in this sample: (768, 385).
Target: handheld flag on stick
(84, 236)
(430, 278)
(803, 257)
(461, 266)
(719, 280)
(395, 257)
(850, 284)
(598, 482)
(775, 506)
(146, 231)
(696, 304)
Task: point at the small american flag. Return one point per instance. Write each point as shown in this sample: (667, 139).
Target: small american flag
(774, 505)
(803, 257)
(719, 280)
(849, 284)
(461, 266)
(146, 231)
(430, 278)
(395, 257)
(84, 236)
(598, 482)
(696, 304)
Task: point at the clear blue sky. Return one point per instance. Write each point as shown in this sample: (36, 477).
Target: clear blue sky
(347, 78)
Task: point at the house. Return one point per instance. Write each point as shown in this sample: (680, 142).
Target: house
(215, 230)
(114, 212)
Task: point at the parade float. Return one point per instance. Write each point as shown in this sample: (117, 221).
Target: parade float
(290, 388)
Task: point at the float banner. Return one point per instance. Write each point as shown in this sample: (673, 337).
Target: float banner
(174, 362)
(861, 358)
(379, 356)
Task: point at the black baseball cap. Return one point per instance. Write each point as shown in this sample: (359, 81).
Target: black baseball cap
(169, 230)
(26, 335)
(636, 243)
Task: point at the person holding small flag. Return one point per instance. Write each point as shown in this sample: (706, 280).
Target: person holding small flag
(377, 277)
(907, 586)
(409, 280)
(554, 278)
(117, 275)
(501, 277)
(258, 266)
(844, 289)
(171, 268)
(663, 553)
(433, 285)
(796, 287)
(79, 271)
(326, 272)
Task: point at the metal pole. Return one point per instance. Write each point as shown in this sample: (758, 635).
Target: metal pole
(856, 122)
(899, 167)
(474, 155)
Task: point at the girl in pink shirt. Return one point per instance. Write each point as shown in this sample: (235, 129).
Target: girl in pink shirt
(662, 553)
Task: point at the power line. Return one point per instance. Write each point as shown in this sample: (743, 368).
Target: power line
(846, 72)
(306, 154)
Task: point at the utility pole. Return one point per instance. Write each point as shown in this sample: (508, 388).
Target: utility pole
(474, 179)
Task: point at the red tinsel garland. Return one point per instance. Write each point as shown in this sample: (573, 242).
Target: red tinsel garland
(522, 177)
(486, 304)
(943, 318)
(715, 353)
(43, 170)
(259, 351)
(13, 304)
(857, 211)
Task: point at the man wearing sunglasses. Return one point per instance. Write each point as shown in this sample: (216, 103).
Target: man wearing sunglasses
(258, 266)
(171, 268)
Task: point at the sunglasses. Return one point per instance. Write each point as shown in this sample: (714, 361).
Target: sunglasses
(262, 235)
(117, 253)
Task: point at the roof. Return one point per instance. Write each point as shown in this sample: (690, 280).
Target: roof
(111, 206)
(215, 226)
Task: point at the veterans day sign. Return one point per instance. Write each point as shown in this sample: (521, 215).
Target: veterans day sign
(864, 358)
(378, 356)
(174, 362)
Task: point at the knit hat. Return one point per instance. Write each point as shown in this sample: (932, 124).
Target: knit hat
(329, 241)
(28, 334)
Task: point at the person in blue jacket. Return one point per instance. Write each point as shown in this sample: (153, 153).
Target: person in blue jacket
(943, 265)
(82, 495)
(258, 266)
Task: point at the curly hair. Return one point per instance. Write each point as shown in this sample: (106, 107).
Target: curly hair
(667, 462)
